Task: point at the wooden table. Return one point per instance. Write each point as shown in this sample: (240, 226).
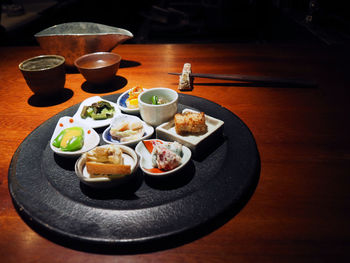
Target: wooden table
(300, 211)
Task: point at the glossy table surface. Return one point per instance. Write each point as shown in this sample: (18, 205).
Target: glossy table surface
(300, 210)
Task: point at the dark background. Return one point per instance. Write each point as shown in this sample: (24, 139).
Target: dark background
(235, 21)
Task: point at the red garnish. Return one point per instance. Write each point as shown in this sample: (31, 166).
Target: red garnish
(71, 120)
(61, 125)
(89, 131)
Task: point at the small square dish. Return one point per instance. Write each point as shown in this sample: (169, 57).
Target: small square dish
(166, 131)
(95, 123)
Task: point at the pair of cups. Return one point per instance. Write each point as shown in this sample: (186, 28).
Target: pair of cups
(45, 75)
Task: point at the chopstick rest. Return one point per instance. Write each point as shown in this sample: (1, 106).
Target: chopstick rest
(186, 80)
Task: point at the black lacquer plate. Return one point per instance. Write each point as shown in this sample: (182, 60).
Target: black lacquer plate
(147, 214)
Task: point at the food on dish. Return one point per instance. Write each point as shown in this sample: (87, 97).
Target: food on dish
(99, 122)
(190, 123)
(132, 102)
(127, 130)
(70, 139)
(165, 155)
(198, 143)
(186, 81)
(145, 148)
(100, 110)
(106, 160)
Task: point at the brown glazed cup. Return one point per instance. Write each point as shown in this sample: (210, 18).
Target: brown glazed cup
(99, 67)
(45, 74)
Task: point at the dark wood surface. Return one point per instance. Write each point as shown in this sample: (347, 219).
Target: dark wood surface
(300, 211)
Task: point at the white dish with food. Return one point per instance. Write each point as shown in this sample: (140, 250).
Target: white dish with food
(107, 166)
(127, 130)
(66, 137)
(164, 159)
(167, 131)
(128, 101)
(90, 121)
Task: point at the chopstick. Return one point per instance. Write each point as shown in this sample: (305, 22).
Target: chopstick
(258, 79)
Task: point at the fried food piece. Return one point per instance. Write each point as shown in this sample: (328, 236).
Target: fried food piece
(190, 123)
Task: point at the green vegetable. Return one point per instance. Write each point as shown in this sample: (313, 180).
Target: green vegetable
(154, 100)
(70, 139)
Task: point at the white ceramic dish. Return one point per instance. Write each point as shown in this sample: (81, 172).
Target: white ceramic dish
(121, 102)
(146, 160)
(106, 136)
(91, 138)
(157, 114)
(130, 158)
(91, 122)
(167, 132)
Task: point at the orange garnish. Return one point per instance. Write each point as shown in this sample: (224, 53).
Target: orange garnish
(71, 120)
(61, 125)
(148, 145)
(155, 170)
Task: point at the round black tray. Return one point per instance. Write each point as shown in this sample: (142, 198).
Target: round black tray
(147, 214)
